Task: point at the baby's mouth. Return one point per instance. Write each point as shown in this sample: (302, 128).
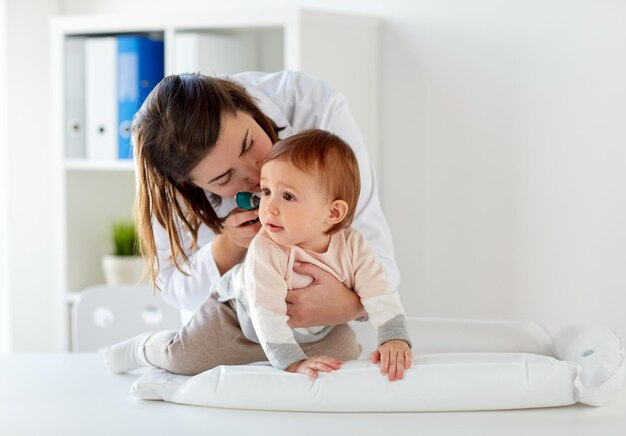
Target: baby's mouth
(274, 228)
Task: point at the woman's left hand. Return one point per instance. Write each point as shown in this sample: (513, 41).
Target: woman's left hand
(326, 301)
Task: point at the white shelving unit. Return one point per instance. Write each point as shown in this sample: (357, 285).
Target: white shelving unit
(340, 49)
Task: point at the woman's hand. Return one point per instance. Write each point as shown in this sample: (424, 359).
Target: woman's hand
(314, 364)
(229, 248)
(241, 226)
(394, 357)
(325, 302)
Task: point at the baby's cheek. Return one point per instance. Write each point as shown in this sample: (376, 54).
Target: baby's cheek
(261, 216)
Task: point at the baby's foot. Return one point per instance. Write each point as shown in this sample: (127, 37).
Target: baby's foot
(127, 355)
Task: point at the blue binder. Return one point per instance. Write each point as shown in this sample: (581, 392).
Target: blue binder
(140, 66)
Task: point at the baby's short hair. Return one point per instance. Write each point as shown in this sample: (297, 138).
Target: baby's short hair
(330, 159)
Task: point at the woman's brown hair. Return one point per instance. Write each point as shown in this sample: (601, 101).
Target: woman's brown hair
(175, 128)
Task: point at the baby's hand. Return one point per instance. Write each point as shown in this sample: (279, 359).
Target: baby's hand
(314, 364)
(394, 357)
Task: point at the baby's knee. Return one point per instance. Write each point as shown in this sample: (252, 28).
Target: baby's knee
(345, 344)
(351, 350)
(168, 352)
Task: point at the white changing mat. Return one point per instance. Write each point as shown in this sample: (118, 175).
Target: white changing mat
(522, 374)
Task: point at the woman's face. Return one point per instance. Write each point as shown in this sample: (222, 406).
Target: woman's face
(234, 163)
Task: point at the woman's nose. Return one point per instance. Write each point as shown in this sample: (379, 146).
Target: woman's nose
(252, 173)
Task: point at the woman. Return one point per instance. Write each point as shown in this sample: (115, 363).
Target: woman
(200, 140)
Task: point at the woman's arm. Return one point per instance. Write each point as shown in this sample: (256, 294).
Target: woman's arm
(215, 255)
(226, 253)
(326, 301)
(180, 290)
(188, 290)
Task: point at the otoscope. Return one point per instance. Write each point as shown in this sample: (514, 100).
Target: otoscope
(247, 200)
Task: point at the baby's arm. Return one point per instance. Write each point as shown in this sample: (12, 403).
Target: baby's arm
(383, 308)
(394, 356)
(266, 291)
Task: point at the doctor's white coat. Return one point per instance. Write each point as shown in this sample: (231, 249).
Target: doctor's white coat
(295, 101)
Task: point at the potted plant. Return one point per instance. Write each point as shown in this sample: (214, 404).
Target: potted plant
(125, 265)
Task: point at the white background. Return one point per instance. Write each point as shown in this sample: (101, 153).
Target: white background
(503, 154)
(5, 312)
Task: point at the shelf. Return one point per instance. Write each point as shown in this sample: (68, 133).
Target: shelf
(86, 165)
(89, 195)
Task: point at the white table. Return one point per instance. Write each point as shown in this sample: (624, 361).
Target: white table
(74, 394)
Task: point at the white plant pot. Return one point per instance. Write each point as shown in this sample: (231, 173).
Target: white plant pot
(123, 270)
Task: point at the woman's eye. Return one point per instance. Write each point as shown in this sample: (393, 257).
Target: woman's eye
(249, 146)
(224, 183)
(288, 197)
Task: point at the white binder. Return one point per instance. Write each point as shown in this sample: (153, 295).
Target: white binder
(75, 97)
(101, 98)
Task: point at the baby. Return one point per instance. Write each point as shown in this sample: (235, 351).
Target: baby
(310, 185)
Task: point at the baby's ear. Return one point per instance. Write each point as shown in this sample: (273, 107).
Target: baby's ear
(338, 211)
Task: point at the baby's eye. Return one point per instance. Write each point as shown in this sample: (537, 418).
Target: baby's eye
(265, 191)
(288, 197)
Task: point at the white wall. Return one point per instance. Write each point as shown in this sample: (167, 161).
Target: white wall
(507, 119)
(5, 296)
(511, 115)
(503, 150)
(29, 172)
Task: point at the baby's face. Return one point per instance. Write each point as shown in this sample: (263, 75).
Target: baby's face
(294, 207)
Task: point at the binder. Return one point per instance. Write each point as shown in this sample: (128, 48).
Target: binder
(140, 66)
(101, 98)
(74, 97)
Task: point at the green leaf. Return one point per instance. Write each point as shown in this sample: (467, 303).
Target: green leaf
(125, 239)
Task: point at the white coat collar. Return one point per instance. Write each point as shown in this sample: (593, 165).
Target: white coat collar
(269, 108)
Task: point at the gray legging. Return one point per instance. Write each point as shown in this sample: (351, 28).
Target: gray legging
(213, 337)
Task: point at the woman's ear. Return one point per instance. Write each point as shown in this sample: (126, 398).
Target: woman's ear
(338, 211)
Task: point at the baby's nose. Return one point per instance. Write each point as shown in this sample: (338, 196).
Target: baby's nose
(271, 208)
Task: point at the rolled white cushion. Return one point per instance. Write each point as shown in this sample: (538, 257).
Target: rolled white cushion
(600, 356)
(596, 349)
(589, 369)
(437, 382)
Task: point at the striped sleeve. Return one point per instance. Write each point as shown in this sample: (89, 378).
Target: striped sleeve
(266, 290)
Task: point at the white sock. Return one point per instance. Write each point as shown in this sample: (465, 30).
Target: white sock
(127, 355)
